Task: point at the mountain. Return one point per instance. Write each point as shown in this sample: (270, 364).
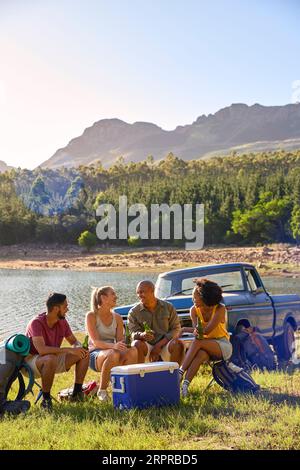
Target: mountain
(238, 127)
(4, 167)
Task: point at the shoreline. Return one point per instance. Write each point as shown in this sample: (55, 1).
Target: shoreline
(277, 259)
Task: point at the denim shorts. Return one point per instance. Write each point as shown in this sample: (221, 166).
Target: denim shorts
(93, 358)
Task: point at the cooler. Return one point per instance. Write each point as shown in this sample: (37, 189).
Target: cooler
(144, 385)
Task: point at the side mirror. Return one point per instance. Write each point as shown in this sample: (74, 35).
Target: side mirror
(259, 290)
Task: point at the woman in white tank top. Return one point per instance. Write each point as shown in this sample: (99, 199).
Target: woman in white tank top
(106, 332)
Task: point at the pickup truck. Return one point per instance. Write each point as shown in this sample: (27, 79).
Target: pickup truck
(277, 317)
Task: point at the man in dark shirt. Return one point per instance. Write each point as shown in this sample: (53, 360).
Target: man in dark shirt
(46, 333)
(162, 319)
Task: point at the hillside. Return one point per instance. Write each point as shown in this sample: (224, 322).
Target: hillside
(4, 167)
(236, 128)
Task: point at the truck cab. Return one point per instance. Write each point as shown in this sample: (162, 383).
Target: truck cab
(245, 297)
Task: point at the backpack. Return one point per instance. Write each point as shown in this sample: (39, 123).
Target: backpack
(233, 378)
(11, 364)
(251, 349)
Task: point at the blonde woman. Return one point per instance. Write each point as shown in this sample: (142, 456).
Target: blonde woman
(106, 332)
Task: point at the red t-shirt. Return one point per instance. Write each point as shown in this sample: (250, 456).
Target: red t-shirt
(52, 336)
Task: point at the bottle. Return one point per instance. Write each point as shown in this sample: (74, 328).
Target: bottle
(147, 327)
(127, 337)
(85, 343)
(199, 329)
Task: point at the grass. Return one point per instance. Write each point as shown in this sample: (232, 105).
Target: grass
(212, 419)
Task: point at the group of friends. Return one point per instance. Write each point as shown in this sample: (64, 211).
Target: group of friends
(107, 347)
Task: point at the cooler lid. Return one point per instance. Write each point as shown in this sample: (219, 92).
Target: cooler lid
(144, 368)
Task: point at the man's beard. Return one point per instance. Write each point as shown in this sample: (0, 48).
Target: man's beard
(61, 316)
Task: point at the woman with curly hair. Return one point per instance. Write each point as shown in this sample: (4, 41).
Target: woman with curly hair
(207, 297)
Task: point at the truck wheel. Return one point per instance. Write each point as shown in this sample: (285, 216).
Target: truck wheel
(285, 342)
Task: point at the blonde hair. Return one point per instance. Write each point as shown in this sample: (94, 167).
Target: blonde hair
(96, 296)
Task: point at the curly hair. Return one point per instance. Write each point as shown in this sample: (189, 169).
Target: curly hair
(209, 291)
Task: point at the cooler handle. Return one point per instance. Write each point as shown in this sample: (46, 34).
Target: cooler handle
(122, 385)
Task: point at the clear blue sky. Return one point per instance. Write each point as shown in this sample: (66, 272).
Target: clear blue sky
(68, 63)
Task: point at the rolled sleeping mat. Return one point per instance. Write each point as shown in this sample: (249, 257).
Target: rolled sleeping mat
(19, 344)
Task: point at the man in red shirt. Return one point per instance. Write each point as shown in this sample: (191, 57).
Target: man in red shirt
(46, 333)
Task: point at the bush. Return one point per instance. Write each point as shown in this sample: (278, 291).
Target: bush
(87, 240)
(134, 241)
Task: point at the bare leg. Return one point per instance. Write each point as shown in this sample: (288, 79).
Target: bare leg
(80, 368)
(142, 349)
(209, 349)
(47, 366)
(129, 357)
(176, 349)
(191, 353)
(111, 359)
(199, 359)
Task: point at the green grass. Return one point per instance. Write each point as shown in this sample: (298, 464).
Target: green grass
(212, 419)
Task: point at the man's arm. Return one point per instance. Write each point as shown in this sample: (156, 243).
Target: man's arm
(73, 341)
(175, 327)
(42, 349)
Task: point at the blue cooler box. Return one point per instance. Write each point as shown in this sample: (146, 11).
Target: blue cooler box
(144, 385)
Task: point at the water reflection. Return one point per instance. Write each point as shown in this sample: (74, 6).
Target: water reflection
(23, 293)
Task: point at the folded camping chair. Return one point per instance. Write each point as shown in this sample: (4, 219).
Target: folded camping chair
(25, 370)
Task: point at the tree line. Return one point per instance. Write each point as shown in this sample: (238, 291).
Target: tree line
(251, 198)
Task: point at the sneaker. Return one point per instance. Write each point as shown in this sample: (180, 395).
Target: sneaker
(102, 395)
(185, 389)
(47, 405)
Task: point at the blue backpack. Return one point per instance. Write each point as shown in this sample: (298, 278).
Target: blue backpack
(233, 378)
(251, 349)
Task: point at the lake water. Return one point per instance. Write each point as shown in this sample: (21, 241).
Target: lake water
(23, 293)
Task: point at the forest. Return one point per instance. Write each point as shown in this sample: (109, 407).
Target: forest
(248, 199)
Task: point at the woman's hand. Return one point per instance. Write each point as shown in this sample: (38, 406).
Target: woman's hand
(120, 346)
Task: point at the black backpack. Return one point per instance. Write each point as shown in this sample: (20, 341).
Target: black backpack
(233, 378)
(251, 349)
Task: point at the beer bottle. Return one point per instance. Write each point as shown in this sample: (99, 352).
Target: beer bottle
(85, 343)
(127, 337)
(147, 327)
(199, 329)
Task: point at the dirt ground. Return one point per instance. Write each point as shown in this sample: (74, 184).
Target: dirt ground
(279, 259)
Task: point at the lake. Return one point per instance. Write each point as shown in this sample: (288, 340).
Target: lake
(23, 293)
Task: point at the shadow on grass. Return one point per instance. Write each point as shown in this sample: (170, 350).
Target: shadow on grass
(197, 407)
(292, 400)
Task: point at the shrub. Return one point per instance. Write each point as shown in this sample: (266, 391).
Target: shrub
(87, 240)
(133, 241)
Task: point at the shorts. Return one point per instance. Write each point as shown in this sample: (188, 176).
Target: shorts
(93, 358)
(61, 364)
(226, 347)
(165, 353)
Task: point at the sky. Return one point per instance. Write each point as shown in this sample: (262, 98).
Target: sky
(65, 64)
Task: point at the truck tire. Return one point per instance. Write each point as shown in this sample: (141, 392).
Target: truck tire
(284, 343)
